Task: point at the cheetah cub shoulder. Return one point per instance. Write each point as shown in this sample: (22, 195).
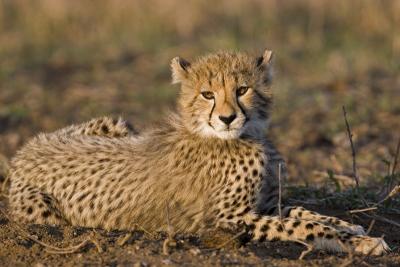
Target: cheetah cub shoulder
(210, 163)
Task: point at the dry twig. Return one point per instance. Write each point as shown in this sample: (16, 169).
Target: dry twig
(353, 154)
(362, 210)
(124, 239)
(305, 252)
(353, 151)
(396, 157)
(280, 192)
(371, 225)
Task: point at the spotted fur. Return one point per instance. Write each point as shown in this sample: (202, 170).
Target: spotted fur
(211, 165)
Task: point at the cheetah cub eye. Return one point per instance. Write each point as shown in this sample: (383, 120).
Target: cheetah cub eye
(224, 95)
(208, 95)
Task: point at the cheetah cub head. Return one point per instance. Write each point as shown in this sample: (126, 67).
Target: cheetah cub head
(225, 95)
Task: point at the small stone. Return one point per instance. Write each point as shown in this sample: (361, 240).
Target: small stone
(195, 251)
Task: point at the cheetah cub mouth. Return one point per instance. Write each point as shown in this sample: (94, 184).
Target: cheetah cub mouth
(225, 95)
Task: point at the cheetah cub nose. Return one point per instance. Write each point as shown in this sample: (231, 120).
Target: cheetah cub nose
(227, 120)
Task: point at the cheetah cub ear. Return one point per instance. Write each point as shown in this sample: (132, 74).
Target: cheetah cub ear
(179, 67)
(264, 64)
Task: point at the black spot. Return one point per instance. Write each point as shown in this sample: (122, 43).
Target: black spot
(238, 190)
(30, 210)
(245, 169)
(252, 226)
(296, 223)
(329, 236)
(226, 205)
(275, 239)
(257, 219)
(279, 228)
(237, 178)
(290, 232)
(320, 234)
(247, 209)
(46, 214)
(310, 237)
(82, 197)
(262, 238)
(241, 162)
(105, 129)
(255, 172)
(309, 226)
(264, 228)
(300, 214)
(229, 217)
(47, 200)
(251, 162)
(227, 191)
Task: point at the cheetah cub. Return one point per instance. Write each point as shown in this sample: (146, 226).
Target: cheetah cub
(210, 164)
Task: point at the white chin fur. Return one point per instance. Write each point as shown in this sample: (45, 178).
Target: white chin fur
(253, 128)
(208, 131)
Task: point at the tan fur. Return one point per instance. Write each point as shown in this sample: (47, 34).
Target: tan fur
(209, 171)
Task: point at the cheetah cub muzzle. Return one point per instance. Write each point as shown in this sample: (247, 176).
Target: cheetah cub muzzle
(211, 163)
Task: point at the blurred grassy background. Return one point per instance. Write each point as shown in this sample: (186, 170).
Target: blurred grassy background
(67, 61)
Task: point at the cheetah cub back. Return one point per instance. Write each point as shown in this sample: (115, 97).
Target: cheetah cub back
(210, 163)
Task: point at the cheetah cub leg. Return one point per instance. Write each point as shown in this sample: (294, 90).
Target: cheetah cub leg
(317, 234)
(303, 214)
(29, 205)
(105, 126)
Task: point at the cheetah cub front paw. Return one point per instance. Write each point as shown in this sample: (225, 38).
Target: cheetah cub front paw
(369, 245)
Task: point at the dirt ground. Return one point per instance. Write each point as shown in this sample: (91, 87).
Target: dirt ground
(142, 250)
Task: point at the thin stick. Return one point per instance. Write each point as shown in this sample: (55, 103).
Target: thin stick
(362, 210)
(124, 239)
(395, 191)
(396, 157)
(371, 225)
(304, 252)
(280, 192)
(353, 154)
(353, 151)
